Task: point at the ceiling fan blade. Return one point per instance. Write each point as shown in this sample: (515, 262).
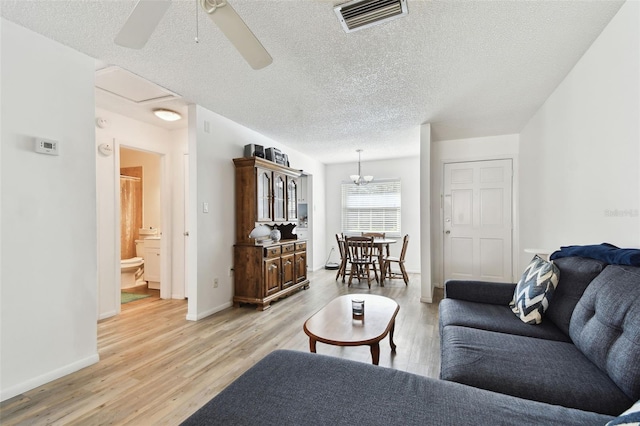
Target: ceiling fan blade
(144, 18)
(234, 28)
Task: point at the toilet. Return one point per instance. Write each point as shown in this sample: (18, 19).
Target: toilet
(131, 270)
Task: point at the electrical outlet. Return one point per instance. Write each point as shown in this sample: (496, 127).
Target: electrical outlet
(215, 283)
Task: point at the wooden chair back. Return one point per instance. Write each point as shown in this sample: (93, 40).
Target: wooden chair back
(373, 234)
(360, 249)
(341, 245)
(405, 243)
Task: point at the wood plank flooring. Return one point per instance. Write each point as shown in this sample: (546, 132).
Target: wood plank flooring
(156, 368)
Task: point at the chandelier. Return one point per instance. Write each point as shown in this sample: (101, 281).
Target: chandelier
(359, 179)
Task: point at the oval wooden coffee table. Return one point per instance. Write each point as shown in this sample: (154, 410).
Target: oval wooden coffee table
(334, 324)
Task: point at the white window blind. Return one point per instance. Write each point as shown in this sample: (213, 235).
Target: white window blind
(371, 208)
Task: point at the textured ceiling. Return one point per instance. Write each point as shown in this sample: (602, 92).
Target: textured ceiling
(471, 68)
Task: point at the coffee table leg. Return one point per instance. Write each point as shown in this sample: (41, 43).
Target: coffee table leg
(375, 353)
(312, 345)
(393, 327)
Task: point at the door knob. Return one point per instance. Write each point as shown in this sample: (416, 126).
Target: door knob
(186, 233)
(447, 232)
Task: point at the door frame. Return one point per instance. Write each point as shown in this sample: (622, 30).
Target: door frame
(438, 225)
(165, 207)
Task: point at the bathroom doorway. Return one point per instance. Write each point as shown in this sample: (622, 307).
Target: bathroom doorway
(140, 224)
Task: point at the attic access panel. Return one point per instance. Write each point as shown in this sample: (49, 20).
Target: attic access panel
(359, 14)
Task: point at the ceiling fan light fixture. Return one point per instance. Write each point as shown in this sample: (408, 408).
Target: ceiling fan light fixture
(167, 114)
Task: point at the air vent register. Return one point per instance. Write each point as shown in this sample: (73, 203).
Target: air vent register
(358, 14)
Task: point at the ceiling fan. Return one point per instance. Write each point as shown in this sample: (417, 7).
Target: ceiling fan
(146, 16)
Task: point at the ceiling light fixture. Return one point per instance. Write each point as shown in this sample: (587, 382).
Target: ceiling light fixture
(359, 179)
(167, 114)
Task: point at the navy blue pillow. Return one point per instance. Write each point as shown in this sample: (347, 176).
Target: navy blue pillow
(604, 252)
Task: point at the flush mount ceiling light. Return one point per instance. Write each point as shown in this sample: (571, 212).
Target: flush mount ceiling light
(359, 179)
(167, 114)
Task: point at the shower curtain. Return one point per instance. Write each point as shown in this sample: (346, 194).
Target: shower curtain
(130, 214)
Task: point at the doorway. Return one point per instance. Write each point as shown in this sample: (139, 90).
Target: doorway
(304, 229)
(477, 226)
(140, 223)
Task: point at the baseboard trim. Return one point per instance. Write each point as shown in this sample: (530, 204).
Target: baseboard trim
(204, 314)
(106, 315)
(48, 377)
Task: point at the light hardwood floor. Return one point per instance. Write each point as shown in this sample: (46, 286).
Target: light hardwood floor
(156, 368)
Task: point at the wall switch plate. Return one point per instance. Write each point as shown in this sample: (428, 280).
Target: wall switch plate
(215, 283)
(46, 146)
(205, 207)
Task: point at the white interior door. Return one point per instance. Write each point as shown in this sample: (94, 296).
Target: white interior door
(185, 232)
(477, 220)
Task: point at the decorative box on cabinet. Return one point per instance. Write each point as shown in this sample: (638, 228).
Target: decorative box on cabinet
(266, 194)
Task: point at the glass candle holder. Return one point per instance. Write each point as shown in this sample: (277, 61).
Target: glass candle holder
(357, 307)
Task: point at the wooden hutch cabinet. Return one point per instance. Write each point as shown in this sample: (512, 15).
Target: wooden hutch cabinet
(266, 194)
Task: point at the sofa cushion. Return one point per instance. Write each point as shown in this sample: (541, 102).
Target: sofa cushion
(538, 369)
(479, 291)
(605, 325)
(576, 273)
(297, 388)
(494, 318)
(534, 290)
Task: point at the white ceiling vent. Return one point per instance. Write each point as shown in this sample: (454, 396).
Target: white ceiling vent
(358, 14)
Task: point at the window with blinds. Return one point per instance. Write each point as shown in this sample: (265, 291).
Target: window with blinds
(371, 208)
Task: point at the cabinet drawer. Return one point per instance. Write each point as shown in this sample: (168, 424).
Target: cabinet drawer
(301, 246)
(273, 251)
(288, 248)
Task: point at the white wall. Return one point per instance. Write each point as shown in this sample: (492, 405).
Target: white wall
(426, 284)
(124, 131)
(212, 181)
(408, 171)
(580, 152)
(473, 149)
(48, 294)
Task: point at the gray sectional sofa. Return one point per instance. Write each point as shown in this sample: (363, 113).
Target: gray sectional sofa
(585, 354)
(579, 367)
(297, 388)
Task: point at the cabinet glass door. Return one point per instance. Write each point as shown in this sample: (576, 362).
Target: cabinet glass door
(279, 197)
(292, 199)
(264, 196)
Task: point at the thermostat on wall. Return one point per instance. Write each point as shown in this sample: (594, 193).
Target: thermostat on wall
(45, 146)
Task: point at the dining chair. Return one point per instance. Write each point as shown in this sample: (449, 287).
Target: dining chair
(362, 256)
(344, 257)
(386, 269)
(378, 235)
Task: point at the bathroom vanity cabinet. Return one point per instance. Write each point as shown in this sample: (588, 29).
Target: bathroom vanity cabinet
(266, 194)
(152, 259)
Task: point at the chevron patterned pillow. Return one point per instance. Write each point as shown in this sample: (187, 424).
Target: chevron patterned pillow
(534, 290)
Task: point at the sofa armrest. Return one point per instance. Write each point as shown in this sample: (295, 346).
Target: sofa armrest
(479, 291)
